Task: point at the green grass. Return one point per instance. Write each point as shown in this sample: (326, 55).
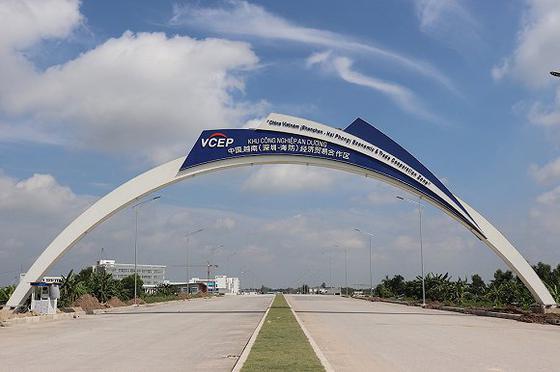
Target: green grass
(281, 344)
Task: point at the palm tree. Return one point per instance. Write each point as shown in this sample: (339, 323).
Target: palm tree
(6, 292)
(71, 288)
(104, 286)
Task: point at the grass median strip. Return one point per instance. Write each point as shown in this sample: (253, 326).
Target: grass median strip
(281, 344)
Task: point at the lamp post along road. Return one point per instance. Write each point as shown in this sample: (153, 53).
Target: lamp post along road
(420, 206)
(346, 269)
(370, 235)
(187, 259)
(337, 245)
(135, 207)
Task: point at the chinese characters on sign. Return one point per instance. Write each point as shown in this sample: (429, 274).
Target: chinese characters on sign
(287, 145)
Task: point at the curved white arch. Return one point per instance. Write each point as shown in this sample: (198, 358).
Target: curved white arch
(166, 174)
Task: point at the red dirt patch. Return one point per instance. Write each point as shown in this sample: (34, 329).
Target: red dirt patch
(115, 302)
(87, 302)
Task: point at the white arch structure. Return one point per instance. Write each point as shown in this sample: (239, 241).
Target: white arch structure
(169, 173)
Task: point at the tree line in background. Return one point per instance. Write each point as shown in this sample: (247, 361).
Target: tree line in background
(102, 286)
(505, 289)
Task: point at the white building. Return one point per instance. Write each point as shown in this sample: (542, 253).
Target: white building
(227, 285)
(151, 275)
(221, 284)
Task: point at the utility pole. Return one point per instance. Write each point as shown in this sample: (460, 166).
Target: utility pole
(370, 259)
(187, 258)
(330, 270)
(346, 269)
(135, 207)
(420, 206)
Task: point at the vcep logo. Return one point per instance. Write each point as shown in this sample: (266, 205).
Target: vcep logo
(217, 140)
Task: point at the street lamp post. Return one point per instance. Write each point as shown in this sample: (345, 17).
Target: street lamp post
(187, 261)
(370, 259)
(420, 206)
(135, 207)
(346, 269)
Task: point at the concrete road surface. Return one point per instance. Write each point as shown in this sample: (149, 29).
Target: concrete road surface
(356, 335)
(197, 335)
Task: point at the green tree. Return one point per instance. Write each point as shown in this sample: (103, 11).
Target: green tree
(544, 272)
(127, 287)
(103, 286)
(71, 288)
(6, 292)
(477, 287)
(507, 289)
(164, 289)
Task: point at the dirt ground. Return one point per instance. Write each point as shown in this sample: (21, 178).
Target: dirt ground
(87, 302)
(115, 302)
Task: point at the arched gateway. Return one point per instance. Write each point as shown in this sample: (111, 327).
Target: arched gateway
(360, 149)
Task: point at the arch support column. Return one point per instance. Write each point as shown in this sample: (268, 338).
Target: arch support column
(166, 174)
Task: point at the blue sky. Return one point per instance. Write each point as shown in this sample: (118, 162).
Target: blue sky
(96, 92)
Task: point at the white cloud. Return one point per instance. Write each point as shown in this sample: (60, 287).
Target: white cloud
(227, 223)
(246, 19)
(537, 51)
(32, 211)
(551, 197)
(145, 93)
(383, 195)
(284, 178)
(449, 22)
(546, 114)
(28, 132)
(543, 225)
(400, 95)
(547, 173)
(40, 193)
(24, 22)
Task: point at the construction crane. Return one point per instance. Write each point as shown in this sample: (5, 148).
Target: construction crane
(209, 265)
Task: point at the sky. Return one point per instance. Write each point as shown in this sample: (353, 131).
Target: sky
(93, 93)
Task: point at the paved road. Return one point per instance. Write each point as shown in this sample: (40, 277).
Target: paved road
(356, 335)
(197, 335)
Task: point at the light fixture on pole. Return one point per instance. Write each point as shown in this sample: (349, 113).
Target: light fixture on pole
(135, 207)
(187, 259)
(370, 258)
(420, 206)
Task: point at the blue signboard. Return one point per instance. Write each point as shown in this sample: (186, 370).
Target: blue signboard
(222, 144)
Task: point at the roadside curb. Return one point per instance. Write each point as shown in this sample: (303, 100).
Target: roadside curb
(41, 318)
(466, 311)
(249, 345)
(318, 352)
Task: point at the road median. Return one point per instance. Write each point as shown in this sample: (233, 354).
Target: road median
(281, 343)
